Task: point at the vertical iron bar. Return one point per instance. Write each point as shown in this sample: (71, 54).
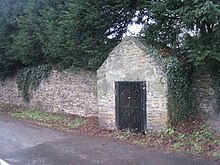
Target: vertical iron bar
(144, 114)
(117, 104)
(129, 100)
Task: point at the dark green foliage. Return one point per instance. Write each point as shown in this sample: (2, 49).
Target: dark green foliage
(63, 33)
(9, 9)
(191, 26)
(180, 95)
(85, 28)
(27, 43)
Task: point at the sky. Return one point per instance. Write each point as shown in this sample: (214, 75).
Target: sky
(133, 29)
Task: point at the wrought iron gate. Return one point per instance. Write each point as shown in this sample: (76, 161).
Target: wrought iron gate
(130, 105)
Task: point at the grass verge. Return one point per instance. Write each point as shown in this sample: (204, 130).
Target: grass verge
(58, 121)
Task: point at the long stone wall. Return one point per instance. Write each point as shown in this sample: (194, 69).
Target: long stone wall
(73, 93)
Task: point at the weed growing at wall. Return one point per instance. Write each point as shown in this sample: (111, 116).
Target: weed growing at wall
(29, 79)
(180, 96)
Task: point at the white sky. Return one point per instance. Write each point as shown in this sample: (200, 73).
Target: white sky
(133, 29)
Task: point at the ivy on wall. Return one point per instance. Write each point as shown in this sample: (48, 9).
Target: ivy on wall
(180, 95)
(29, 78)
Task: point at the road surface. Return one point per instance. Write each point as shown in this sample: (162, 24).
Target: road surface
(24, 144)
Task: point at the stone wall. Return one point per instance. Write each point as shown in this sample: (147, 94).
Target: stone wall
(130, 61)
(206, 97)
(9, 93)
(73, 93)
(204, 91)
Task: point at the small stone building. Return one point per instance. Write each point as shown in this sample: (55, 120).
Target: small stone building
(132, 89)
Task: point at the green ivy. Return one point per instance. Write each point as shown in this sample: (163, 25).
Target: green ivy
(29, 78)
(180, 95)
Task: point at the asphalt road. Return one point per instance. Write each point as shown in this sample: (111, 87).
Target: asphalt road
(23, 144)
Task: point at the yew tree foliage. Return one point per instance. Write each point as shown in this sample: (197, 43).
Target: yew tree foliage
(191, 26)
(9, 9)
(63, 33)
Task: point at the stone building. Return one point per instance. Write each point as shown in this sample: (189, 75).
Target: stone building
(132, 89)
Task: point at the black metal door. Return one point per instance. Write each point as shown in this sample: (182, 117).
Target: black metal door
(131, 105)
